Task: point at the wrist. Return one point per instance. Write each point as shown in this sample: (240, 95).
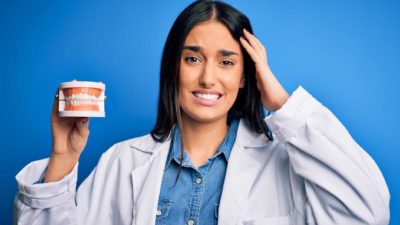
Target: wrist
(65, 156)
(59, 166)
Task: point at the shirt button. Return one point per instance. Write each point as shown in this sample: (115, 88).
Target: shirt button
(158, 213)
(190, 222)
(198, 180)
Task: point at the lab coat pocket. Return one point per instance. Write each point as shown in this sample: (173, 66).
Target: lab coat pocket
(281, 220)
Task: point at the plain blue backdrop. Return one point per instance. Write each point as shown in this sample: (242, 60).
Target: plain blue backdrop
(346, 53)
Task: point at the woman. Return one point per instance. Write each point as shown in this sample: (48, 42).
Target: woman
(211, 158)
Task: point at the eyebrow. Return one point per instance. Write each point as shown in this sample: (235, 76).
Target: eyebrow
(196, 48)
(193, 48)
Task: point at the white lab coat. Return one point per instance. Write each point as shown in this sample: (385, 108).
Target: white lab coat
(312, 173)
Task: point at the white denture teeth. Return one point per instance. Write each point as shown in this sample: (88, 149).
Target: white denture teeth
(81, 99)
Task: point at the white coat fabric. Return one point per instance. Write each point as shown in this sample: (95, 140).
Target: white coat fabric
(312, 173)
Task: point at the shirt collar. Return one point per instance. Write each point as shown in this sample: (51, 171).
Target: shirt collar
(224, 148)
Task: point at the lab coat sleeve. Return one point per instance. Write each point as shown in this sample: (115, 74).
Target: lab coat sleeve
(340, 181)
(44, 203)
(57, 202)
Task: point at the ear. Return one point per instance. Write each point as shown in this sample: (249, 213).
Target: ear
(242, 82)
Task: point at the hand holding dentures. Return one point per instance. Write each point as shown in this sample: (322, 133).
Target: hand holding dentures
(75, 102)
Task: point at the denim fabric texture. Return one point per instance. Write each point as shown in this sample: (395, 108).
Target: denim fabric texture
(194, 197)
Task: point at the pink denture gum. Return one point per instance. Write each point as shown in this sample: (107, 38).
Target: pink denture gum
(81, 99)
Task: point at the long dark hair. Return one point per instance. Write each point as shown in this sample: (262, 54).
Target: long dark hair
(248, 103)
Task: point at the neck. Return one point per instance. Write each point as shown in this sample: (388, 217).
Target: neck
(201, 140)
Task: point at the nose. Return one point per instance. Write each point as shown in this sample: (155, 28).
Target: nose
(208, 76)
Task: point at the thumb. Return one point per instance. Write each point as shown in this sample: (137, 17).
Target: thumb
(83, 126)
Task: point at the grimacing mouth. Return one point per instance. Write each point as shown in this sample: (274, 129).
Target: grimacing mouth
(207, 94)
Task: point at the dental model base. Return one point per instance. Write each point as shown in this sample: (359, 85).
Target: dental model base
(81, 99)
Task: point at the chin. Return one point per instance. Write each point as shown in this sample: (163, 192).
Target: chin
(203, 116)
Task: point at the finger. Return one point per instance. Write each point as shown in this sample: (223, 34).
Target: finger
(254, 56)
(257, 52)
(55, 104)
(262, 47)
(253, 40)
(256, 43)
(82, 125)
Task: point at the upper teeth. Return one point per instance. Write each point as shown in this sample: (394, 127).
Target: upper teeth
(207, 96)
(81, 99)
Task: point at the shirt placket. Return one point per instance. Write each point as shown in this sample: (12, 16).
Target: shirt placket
(196, 198)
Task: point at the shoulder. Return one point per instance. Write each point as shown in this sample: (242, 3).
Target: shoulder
(143, 143)
(258, 146)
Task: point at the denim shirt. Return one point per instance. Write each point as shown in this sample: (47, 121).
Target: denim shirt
(194, 198)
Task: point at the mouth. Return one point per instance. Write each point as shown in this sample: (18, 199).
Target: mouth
(207, 98)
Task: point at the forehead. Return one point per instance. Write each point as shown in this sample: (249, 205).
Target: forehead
(212, 35)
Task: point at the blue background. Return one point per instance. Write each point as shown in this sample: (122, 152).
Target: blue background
(346, 53)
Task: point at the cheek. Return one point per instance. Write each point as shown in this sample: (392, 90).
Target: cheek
(236, 76)
(188, 76)
(186, 80)
(232, 89)
(232, 80)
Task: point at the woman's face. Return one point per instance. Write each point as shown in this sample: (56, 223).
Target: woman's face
(211, 73)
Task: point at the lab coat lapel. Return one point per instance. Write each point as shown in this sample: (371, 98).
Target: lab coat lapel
(146, 181)
(241, 173)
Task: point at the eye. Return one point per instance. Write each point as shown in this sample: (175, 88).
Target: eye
(227, 63)
(192, 59)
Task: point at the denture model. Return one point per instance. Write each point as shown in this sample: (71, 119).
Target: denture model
(81, 99)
